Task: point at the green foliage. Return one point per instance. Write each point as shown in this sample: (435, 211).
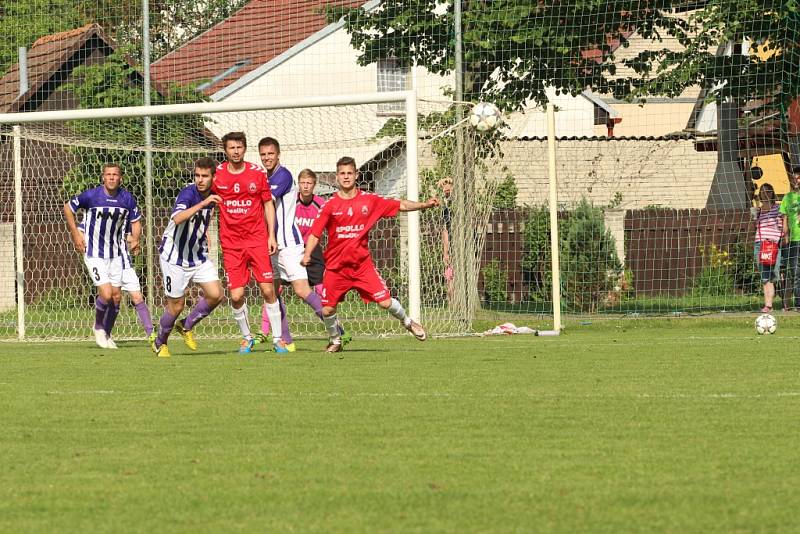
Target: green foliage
(172, 22)
(506, 196)
(746, 277)
(22, 22)
(536, 253)
(773, 24)
(495, 283)
(555, 37)
(716, 278)
(727, 271)
(590, 266)
(116, 83)
(591, 273)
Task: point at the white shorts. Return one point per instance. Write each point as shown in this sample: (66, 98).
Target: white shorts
(102, 272)
(126, 278)
(286, 264)
(176, 278)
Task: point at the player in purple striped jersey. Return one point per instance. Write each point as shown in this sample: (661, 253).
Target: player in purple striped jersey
(184, 258)
(286, 262)
(130, 284)
(109, 211)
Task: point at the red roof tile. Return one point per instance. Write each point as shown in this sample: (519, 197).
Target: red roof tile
(45, 58)
(257, 33)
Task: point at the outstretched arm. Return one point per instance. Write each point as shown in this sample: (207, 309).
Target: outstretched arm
(411, 205)
(188, 213)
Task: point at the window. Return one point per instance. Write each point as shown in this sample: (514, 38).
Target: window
(392, 77)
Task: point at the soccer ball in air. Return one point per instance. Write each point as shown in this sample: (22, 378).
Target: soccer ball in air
(766, 324)
(484, 116)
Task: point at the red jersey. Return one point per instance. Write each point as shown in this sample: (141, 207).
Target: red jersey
(348, 222)
(241, 214)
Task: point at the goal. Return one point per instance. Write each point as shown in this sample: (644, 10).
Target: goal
(54, 155)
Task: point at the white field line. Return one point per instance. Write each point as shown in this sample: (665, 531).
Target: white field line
(447, 395)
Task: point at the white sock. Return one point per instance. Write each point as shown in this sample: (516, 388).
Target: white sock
(274, 314)
(396, 309)
(240, 316)
(331, 325)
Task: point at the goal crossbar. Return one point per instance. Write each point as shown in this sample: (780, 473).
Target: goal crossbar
(262, 104)
(205, 107)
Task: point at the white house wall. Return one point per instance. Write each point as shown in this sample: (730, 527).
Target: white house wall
(316, 138)
(575, 117)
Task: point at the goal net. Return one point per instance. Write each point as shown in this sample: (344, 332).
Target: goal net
(59, 159)
(669, 120)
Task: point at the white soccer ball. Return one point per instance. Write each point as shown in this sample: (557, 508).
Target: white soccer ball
(766, 324)
(484, 116)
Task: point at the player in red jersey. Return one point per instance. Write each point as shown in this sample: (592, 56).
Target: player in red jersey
(247, 235)
(348, 216)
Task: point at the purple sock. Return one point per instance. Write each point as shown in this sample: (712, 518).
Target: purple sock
(315, 302)
(100, 309)
(111, 318)
(166, 323)
(285, 334)
(144, 317)
(198, 313)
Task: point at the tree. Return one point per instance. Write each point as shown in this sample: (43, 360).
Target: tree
(772, 68)
(514, 50)
(116, 83)
(172, 22)
(21, 23)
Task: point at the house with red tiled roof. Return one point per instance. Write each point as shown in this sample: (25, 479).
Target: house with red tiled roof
(285, 49)
(279, 49)
(46, 156)
(50, 63)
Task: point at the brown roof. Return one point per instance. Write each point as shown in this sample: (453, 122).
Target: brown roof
(256, 34)
(46, 58)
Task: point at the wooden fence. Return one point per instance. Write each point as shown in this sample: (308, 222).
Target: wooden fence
(663, 247)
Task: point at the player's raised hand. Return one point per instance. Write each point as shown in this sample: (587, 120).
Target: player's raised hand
(212, 198)
(432, 202)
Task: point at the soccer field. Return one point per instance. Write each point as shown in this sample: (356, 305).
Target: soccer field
(622, 425)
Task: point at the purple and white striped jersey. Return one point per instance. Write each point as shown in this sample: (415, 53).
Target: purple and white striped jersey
(284, 193)
(185, 244)
(127, 261)
(106, 221)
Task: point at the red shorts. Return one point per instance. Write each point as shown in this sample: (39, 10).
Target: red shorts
(239, 263)
(364, 279)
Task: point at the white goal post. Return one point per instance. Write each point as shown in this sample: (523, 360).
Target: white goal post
(409, 98)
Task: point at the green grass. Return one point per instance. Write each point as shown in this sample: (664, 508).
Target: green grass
(681, 425)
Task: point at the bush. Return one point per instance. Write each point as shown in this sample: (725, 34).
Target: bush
(590, 267)
(589, 263)
(744, 269)
(506, 196)
(716, 278)
(495, 283)
(536, 254)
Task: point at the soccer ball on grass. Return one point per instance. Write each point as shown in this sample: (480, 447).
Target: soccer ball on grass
(766, 324)
(484, 116)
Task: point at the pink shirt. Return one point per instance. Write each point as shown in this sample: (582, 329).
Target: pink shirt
(769, 226)
(306, 214)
